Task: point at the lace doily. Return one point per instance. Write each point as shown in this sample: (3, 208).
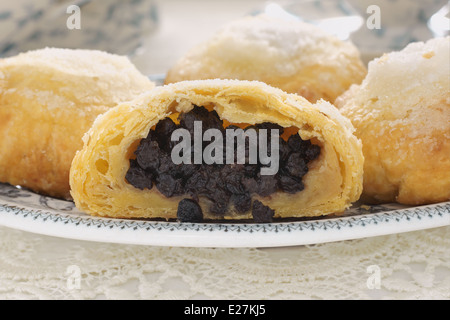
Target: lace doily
(403, 266)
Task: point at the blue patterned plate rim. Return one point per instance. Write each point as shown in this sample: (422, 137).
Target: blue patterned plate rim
(27, 211)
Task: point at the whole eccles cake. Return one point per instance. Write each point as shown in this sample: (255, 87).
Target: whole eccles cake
(401, 113)
(294, 56)
(49, 99)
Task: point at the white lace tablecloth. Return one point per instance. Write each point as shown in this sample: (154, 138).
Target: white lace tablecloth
(413, 265)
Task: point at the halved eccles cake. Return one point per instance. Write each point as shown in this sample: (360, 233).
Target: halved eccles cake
(218, 149)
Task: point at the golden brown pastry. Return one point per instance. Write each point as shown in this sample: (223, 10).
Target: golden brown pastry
(401, 112)
(292, 55)
(49, 99)
(126, 168)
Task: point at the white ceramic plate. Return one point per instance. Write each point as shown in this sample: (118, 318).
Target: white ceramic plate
(24, 210)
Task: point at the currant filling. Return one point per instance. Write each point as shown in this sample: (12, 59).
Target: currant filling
(224, 185)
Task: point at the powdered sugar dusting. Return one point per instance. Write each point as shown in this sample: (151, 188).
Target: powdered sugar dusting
(285, 40)
(409, 86)
(85, 77)
(75, 61)
(422, 67)
(48, 99)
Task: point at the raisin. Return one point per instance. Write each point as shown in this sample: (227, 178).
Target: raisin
(296, 165)
(220, 202)
(148, 155)
(197, 183)
(138, 177)
(213, 121)
(250, 184)
(284, 151)
(267, 185)
(169, 186)
(262, 213)
(209, 119)
(242, 202)
(187, 170)
(295, 143)
(166, 165)
(290, 184)
(251, 170)
(189, 211)
(270, 126)
(164, 130)
(232, 176)
(312, 152)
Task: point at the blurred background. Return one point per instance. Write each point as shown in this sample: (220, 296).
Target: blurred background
(155, 33)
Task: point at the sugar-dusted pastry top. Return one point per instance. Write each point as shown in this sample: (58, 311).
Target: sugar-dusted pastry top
(49, 98)
(81, 76)
(99, 171)
(401, 112)
(292, 55)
